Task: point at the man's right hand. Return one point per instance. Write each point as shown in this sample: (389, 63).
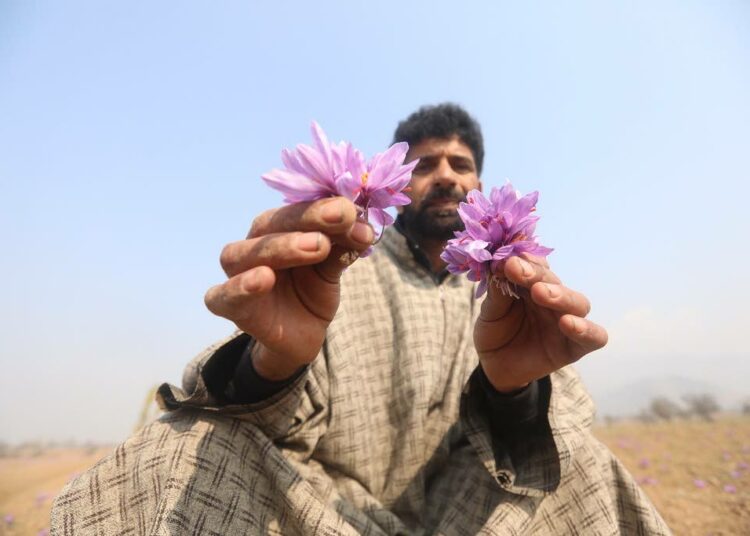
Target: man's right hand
(283, 286)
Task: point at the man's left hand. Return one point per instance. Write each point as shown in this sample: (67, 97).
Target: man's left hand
(523, 339)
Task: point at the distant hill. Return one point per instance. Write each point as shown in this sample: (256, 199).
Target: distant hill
(631, 398)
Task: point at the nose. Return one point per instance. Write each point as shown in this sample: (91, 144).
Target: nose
(444, 175)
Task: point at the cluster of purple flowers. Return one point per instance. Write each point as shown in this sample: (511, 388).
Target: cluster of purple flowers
(496, 229)
(327, 169)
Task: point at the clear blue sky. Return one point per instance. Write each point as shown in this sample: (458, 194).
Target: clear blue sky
(132, 138)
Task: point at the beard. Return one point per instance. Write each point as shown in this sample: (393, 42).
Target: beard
(434, 221)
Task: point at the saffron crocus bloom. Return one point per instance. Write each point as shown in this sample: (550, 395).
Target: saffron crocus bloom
(472, 256)
(497, 229)
(327, 170)
(379, 183)
(311, 171)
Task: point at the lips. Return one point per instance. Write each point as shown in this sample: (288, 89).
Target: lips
(445, 208)
(442, 203)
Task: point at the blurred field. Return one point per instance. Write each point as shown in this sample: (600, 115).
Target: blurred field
(29, 480)
(697, 474)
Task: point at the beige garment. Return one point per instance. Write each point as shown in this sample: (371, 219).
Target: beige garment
(384, 434)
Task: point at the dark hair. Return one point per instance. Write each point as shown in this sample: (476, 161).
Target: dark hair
(443, 121)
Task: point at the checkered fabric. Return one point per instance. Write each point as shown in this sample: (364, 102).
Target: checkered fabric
(386, 433)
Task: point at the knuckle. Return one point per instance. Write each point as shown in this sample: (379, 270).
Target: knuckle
(259, 223)
(265, 249)
(210, 299)
(228, 257)
(583, 303)
(604, 337)
(254, 225)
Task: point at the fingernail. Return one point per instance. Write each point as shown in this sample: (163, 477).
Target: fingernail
(309, 241)
(525, 268)
(333, 211)
(361, 232)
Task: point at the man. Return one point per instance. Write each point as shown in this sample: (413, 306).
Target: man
(376, 398)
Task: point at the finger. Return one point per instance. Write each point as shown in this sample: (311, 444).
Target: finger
(277, 251)
(492, 332)
(358, 237)
(501, 295)
(585, 335)
(535, 259)
(233, 298)
(528, 270)
(335, 217)
(336, 263)
(560, 298)
(332, 216)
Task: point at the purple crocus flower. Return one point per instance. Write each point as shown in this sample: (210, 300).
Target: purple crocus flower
(497, 229)
(311, 172)
(464, 254)
(730, 488)
(326, 170)
(9, 519)
(379, 183)
(700, 484)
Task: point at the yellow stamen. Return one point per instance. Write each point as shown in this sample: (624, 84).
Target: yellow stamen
(363, 178)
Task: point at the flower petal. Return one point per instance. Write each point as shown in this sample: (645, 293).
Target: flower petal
(347, 186)
(315, 163)
(295, 187)
(380, 216)
(322, 143)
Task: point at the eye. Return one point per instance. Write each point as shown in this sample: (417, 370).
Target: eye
(462, 166)
(424, 166)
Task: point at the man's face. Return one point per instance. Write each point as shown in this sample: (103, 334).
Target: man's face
(446, 172)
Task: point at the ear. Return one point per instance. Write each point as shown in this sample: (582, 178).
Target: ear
(479, 186)
(400, 209)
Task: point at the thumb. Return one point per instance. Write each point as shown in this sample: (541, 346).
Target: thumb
(345, 250)
(500, 320)
(338, 260)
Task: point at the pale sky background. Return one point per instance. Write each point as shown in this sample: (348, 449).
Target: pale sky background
(133, 135)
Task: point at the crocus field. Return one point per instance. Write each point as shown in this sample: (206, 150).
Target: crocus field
(697, 473)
